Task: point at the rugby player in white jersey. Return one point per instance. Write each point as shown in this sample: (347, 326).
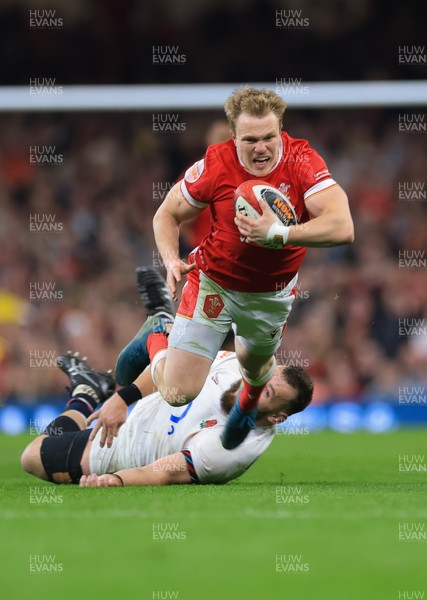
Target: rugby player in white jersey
(158, 444)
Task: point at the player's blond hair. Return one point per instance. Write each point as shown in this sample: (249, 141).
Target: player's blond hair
(257, 103)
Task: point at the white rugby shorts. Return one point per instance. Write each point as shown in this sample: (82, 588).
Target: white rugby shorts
(207, 312)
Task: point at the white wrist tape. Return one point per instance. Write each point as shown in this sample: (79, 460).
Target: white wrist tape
(278, 230)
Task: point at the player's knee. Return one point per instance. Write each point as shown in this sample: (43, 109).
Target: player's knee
(31, 461)
(179, 396)
(255, 366)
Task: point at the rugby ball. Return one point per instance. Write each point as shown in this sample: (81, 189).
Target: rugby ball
(246, 202)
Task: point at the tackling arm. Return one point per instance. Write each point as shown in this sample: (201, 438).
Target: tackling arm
(113, 412)
(169, 470)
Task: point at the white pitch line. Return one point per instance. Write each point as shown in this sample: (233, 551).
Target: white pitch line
(53, 514)
(305, 514)
(251, 513)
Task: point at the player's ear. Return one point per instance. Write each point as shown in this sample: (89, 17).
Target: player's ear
(276, 419)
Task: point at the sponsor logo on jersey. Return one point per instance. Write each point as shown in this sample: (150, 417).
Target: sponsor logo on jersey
(208, 423)
(193, 173)
(213, 305)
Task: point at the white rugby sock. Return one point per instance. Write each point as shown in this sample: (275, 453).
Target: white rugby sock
(157, 358)
(262, 380)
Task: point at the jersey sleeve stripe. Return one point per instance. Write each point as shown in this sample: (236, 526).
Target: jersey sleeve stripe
(190, 466)
(190, 198)
(319, 187)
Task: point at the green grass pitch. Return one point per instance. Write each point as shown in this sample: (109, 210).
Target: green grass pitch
(320, 516)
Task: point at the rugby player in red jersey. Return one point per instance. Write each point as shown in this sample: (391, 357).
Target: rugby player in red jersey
(232, 282)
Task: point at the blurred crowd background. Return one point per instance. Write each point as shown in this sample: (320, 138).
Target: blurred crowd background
(111, 41)
(84, 222)
(97, 206)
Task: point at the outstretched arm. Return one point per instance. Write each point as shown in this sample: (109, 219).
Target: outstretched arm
(169, 470)
(172, 212)
(113, 412)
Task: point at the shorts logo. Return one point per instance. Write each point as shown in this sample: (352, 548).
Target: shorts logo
(273, 333)
(213, 305)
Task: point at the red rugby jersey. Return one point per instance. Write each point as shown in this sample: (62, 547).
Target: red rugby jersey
(221, 255)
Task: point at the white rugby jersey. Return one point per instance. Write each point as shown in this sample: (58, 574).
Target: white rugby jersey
(155, 429)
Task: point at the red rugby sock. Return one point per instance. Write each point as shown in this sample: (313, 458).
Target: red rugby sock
(249, 396)
(155, 343)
